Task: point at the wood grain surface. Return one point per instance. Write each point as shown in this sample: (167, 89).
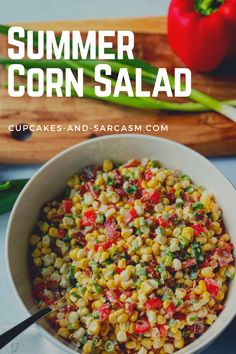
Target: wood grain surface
(208, 133)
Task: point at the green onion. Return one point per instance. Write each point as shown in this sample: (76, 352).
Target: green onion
(131, 189)
(139, 271)
(5, 185)
(9, 192)
(109, 346)
(197, 206)
(97, 288)
(100, 219)
(197, 251)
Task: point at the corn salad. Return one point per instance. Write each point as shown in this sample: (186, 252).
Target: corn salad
(141, 253)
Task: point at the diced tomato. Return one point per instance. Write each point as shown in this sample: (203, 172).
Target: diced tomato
(171, 309)
(198, 228)
(212, 286)
(163, 331)
(88, 219)
(110, 227)
(154, 197)
(153, 303)
(133, 163)
(104, 312)
(148, 175)
(131, 307)
(130, 216)
(113, 295)
(163, 223)
(67, 204)
(118, 270)
(141, 327)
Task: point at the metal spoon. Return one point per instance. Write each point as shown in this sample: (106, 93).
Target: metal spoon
(8, 336)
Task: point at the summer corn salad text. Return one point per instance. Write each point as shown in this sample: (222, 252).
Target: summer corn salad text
(141, 253)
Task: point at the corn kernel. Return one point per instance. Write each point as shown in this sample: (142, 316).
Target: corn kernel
(107, 165)
(207, 272)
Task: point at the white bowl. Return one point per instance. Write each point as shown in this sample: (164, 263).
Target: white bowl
(50, 180)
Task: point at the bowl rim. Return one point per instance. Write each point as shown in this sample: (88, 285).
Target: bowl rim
(53, 339)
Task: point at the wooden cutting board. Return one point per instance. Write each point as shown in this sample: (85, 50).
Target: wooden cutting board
(208, 133)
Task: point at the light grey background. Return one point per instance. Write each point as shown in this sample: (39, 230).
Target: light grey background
(46, 10)
(43, 10)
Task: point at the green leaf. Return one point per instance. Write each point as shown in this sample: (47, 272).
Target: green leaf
(8, 196)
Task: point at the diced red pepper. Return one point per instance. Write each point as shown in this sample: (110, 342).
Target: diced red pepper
(67, 204)
(61, 233)
(198, 228)
(130, 216)
(163, 331)
(212, 286)
(133, 163)
(148, 175)
(153, 303)
(118, 270)
(131, 307)
(171, 309)
(163, 223)
(105, 245)
(154, 197)
(141, 327)
(104, 312)
(88, 219)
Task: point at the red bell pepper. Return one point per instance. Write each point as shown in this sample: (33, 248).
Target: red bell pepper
(141, 327)
(171, 309)
(88, 219)
(198, 228)
(212, 286)
(104, 312)
(202, 32)
(130, 216)
(153, 303)
(67, 204)
(154, 197)
(163, 330)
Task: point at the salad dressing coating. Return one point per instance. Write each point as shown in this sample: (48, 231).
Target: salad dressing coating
(141, 253)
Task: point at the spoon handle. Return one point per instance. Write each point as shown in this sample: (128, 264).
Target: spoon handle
(8, 336)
